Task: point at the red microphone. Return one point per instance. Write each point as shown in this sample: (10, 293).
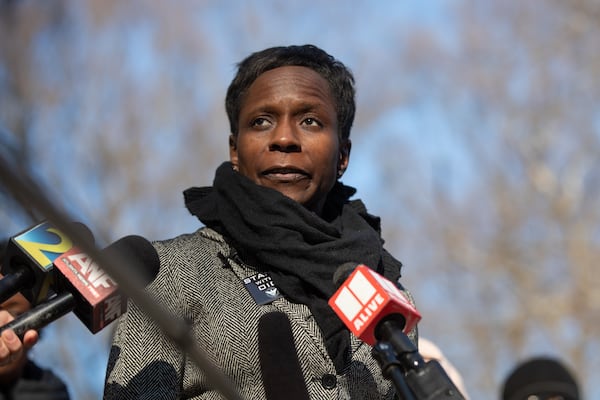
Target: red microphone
(381, 315)
(98, 301)
(365, 298)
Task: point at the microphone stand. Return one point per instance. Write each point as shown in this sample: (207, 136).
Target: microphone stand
(391, 368)
(401, 363)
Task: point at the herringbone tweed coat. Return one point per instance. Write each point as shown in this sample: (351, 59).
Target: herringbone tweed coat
(200, 279)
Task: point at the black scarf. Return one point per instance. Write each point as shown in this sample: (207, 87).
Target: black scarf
(297, 248)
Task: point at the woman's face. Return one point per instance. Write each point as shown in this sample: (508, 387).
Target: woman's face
(288, 136)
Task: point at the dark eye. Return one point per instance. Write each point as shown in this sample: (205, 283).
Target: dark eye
(311, 122)
(260, 122)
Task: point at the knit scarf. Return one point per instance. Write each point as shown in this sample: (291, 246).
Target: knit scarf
(297, 248)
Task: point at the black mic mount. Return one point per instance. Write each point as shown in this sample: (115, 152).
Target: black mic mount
(42, 314)
(402, 364)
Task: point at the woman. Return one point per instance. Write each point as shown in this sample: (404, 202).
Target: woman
(278, 223)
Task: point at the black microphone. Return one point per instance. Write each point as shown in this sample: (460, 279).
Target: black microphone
(279, 364)
(86, 290)
(28, 266)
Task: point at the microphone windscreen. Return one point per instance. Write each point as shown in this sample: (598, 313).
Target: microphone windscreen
(279, 364)
(83, 231)
(139, 250)
(342, 273)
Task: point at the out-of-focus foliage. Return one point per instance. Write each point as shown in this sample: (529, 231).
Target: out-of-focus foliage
(476, 140)
(518, 88)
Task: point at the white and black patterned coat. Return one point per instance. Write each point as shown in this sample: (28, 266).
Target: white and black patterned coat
(200, 279)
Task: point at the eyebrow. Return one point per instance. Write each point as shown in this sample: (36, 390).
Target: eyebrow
(308, 107)
(299, 109)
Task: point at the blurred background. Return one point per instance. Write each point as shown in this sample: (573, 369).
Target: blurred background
(476, 140)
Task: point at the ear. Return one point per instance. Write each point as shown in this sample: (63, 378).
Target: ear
(233, 155)
(345, 147)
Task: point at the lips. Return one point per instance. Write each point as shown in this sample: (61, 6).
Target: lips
(285, 174)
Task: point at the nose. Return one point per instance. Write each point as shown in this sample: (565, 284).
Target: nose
(285, 138)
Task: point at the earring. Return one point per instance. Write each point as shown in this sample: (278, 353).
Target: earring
(235, 167)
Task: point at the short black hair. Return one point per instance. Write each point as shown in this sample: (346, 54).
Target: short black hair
(339, 77)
